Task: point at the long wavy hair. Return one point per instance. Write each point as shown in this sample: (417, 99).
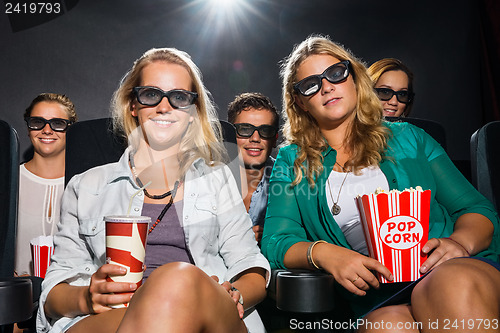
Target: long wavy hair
(203, 137)
(391, 64)
(366, 139)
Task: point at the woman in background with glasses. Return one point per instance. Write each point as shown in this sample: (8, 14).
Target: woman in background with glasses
(203, 269)
(393, 83)
(41, 179)
(339, 147)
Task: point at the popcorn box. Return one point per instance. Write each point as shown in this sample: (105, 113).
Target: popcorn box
(396, 227)
(42, 248)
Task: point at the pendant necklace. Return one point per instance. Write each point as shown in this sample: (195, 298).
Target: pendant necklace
(336, 207)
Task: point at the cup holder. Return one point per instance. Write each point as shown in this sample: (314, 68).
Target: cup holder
(304, 291)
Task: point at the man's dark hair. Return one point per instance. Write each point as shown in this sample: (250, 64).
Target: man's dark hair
(254, 100)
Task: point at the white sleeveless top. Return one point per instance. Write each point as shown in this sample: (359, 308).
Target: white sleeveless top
(38, 213)
(349, 219)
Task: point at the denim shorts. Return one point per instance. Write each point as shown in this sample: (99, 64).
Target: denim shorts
(403, 296)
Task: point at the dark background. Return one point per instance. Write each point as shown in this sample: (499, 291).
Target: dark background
(451, 46)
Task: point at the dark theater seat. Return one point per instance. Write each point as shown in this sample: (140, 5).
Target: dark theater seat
(485, 161)
(15, 293)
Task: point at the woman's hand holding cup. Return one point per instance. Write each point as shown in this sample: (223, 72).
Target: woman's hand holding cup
(101, 293)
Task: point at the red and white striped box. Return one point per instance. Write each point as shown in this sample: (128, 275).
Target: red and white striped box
(396, 227)
(42, 248)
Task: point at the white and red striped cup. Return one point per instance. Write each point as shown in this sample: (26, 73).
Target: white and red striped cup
(396, 227)
(42, 248)
(126, 246)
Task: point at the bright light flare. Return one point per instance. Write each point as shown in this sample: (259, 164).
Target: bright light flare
(227, 24)
(220, 16)
(224, 3)
(227, 10)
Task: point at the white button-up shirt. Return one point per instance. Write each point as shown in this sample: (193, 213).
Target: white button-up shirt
(218, 230)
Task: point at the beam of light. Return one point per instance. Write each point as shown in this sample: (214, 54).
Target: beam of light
(224, 4)
(222, 15)
(226, 18)
(218, 34)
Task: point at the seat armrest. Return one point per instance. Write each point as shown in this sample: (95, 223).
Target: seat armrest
(303, 291)
(16, 300)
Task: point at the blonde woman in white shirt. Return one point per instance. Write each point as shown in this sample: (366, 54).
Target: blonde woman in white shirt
(204, 271)
(41, 179)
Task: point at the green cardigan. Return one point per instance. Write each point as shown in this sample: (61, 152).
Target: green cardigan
(300, 213)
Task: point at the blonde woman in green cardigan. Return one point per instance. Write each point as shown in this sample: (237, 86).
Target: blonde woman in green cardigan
(339, 146)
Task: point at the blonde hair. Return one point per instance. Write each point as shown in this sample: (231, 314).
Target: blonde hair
(367, 137)
(391, 64)
(208, 145)
(63, 100)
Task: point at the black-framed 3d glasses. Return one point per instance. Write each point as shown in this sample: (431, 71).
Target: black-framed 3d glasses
(403, 96)
(152, 96)
(265, 131)
(38, 123)
(336, 73)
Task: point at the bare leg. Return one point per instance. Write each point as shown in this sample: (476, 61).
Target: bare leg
(460, 295)
(394, 318)
(177, 297)
(180, 297)
(102, 323)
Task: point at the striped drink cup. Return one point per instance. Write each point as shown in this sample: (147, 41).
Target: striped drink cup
(396, 227)
(126, 247)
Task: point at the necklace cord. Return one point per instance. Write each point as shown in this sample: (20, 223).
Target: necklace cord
(133, 196)
(167, 206)
(336, 207)
(139, 182)
(172, 192)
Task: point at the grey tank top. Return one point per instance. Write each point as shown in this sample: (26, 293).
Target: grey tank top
(167, 242)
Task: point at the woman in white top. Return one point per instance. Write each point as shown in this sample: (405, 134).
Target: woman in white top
(41, 179)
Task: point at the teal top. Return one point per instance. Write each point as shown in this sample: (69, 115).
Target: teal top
(301, 213)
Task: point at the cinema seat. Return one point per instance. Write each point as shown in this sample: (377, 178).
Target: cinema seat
(485, 161)
(15, 293)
